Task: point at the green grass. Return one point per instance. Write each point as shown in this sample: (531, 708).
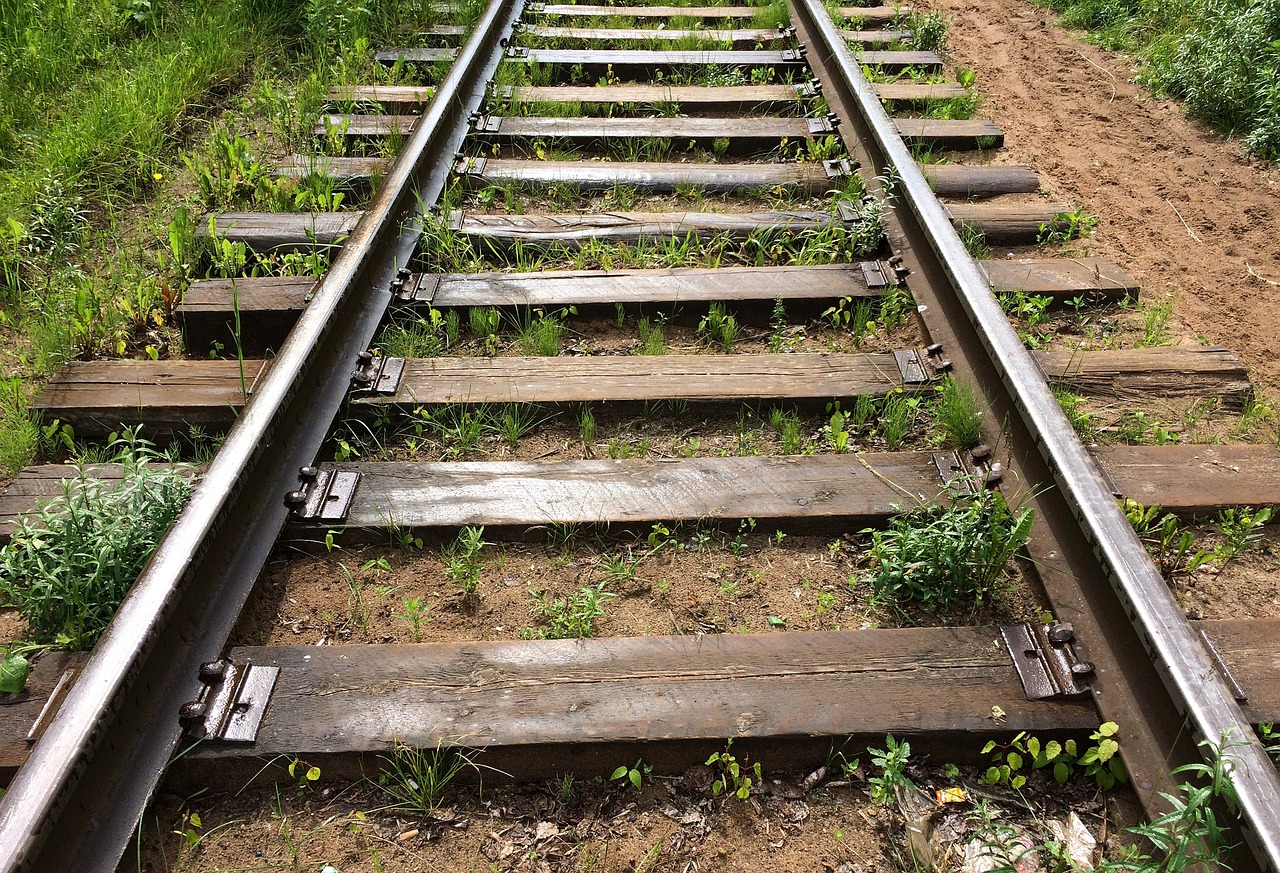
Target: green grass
(1220, 58)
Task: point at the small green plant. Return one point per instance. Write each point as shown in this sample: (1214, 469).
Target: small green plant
(1170, 545)
(633, 775)
(940, 557)
(1067, 226)
(462, 559)
(587, 427)
(414, 615)
(738, 545)
(571, 617)
(1155, 323)
(777, 326)
(896, 417)
(856, 316)
(1082, 421)
(1240, 528)
(415, 779)
(718, 327)
(652, 339)
(731, 776)
(305, 774)
(621, 566)
(892, 762)
(837, 429)
(957, 414)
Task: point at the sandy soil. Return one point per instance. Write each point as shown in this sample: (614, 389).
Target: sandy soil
(1186, 212)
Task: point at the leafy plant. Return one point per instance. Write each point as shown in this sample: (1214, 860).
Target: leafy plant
(462, 559)
(928, 31)
(414, 615)
(1170, 545)
(719, 327)
(940, 557)
(571, 617)
(731, 776)
(892, 762)
(1240, 528)
(633, 775)
(67, 567)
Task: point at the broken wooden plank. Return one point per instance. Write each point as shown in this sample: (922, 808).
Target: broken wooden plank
(267, 307)
(1194, 479)
(1010, 223)
(653, 176)
(497, 231)
(953, 134)
(282, 231)
(1096, 280)
(365, 126)
(641, 377)
(980, 180)
(1181, 372)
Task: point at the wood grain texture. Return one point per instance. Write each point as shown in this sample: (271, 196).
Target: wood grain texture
(769, 129)
(640, 377)
(365, 126)
(281, 231)
(1009, 223)
(1194, 479)
(1098, 280)
(97, 397)
(588, 10)
(415, 55)
(872, 16)
(391, 98)
(737, 37)
(917, 92)
(950, 133)
(691, 98)
(655, 176)
(672, 285)
(351, 172)
(629, 227)
(521, 494)
(1138, 374)
(268, 307)
(358, 699)
(900, 59)
(980, 180)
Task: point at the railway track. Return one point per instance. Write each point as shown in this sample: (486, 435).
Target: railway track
(752, 182)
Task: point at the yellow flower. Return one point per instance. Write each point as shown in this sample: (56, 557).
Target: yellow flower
(157, 176)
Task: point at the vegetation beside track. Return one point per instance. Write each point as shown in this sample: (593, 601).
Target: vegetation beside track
(1221, 58)
(98, 99)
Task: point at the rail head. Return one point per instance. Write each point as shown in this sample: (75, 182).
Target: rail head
(76, 802)
(1184, 665)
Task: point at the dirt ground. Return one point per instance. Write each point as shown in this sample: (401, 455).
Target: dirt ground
(1188, 213)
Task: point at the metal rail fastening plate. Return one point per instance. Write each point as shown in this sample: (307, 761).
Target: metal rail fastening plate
(1044, 656)
(231, 703)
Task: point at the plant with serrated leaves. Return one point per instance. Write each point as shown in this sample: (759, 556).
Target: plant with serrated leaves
(892, 763)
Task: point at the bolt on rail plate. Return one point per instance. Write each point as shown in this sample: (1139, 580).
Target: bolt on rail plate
(1045, 657)
(232, 701)
(325, 495)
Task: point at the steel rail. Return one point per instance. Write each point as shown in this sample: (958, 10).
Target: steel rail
(1187, 670)
(79, 798)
